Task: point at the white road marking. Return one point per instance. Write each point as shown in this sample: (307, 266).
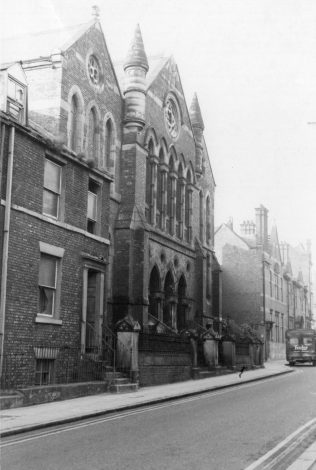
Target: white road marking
(145, 409)
(258, 463)
(305, 460)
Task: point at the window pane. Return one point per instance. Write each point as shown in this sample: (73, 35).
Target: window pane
(307, 340)
(11, 89)
(50, 203)
(47, 272)
(52, 176)
(46, 301)
(92, 206)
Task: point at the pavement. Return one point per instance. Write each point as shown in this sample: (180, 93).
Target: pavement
(17, 420)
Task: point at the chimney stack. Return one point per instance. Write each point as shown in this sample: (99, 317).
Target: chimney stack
(262, 226)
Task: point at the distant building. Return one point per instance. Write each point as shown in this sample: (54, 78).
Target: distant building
(260, 285)
(107, 207)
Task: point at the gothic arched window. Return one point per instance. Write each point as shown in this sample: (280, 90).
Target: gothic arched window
(160, 189)
(108, 159)
(74, 124)
(92, 135)
(148, 182)
(208, 220)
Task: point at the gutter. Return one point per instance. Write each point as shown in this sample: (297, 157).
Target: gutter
(5, 246)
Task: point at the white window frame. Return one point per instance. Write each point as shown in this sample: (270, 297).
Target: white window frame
(48, 190)
(58, 253)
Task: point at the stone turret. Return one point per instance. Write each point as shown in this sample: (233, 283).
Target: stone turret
(136, 68)
(198, 128)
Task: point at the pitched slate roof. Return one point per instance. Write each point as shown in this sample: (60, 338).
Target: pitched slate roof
(41, 44)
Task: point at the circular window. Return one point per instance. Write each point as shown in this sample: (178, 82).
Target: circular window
(94, 70)
(172, 118)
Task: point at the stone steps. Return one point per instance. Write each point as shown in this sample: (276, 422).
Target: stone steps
(123, 387)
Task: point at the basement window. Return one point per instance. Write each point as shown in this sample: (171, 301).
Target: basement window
(44, 371)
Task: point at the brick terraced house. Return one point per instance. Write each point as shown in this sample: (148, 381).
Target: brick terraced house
(107, 209)
(265, 283)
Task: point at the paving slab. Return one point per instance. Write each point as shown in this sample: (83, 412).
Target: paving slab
(17, 420)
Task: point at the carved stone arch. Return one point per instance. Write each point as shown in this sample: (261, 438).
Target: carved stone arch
(173, 155)
(190, 168)
(75, 93)
(182, 160)
(163, 150)
(151, 135)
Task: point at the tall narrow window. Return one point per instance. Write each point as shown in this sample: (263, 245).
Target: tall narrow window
(148, 183)
(47, 284)
(108, 163)
(52, 188)
(188, 208)
(92, 135)
(208, 220)
(201, 217)
(92, 209)
(160, 191)
(74, 124)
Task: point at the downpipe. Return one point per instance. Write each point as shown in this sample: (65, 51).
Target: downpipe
(5, 246)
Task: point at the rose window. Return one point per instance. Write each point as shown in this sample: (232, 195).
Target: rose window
(172, 118)
(94, 70)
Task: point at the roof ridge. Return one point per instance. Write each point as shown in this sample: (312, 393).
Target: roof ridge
(51, 30)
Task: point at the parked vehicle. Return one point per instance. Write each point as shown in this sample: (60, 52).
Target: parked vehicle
(301, 346)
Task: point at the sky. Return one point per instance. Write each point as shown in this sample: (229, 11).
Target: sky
(252, 64)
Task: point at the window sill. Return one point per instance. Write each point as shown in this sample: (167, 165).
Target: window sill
(48, 320)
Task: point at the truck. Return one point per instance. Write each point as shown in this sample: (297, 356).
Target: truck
(301, 346)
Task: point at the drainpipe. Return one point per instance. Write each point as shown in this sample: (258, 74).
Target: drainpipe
(5, 249)
(2, 138)
(264, 305)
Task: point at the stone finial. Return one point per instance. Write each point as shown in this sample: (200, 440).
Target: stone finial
(96, 12)
(135, 67)
(136, 56)
(195, 113)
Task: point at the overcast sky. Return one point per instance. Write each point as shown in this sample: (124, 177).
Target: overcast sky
(253, 66)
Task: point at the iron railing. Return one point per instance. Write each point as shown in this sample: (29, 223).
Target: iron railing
(159, 326)
(43, 363)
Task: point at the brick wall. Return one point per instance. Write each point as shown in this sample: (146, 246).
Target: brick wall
(28, 228)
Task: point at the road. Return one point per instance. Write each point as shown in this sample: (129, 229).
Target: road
(223, 430)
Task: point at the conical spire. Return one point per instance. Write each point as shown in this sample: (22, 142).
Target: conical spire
(195, 113)
(136, 55)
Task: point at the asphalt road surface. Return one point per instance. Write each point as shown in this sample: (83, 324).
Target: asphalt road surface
(223, 430)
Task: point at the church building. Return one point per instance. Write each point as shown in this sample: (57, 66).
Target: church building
(107, 209)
